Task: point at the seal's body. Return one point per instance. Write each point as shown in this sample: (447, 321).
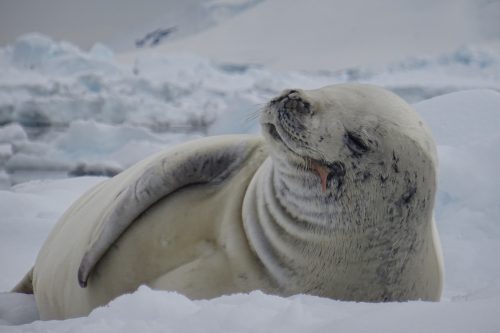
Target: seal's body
(336, 200)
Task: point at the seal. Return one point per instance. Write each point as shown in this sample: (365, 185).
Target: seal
(335, 200)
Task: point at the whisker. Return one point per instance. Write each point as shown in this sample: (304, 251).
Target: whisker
(253, 115)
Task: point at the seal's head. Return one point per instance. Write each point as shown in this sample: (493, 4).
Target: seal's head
(351, 139)
(344, 207)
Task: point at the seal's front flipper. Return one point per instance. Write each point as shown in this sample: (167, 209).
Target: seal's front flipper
(135, 190)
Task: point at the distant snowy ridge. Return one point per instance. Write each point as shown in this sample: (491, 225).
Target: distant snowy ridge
(339, 34)
(177, 20)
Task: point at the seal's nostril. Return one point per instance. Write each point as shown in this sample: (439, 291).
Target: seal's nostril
(294, 105)
(302, 107)
(291, 101)
(290, 104)
(294, 95)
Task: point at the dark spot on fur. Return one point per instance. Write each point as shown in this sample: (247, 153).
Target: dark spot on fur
(205, 165)
(336, 174)
(363, 175)
(408, 195)
(289, 123)
(366, 175)
(337, 168)
(395, 161)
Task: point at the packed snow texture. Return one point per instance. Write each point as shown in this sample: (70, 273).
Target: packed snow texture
(65, 111)
(467, 213)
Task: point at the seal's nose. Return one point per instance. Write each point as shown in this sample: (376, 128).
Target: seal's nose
(290, 93)
(292, 101)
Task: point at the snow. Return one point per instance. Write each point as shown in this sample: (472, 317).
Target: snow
(65, 19)
(338, 34)
(159, 311)
(67, 112)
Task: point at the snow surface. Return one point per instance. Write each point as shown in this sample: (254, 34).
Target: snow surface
(467, 214)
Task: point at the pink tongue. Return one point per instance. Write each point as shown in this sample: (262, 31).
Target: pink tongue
(322, 171)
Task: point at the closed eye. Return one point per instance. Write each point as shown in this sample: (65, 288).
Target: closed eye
(355, 143)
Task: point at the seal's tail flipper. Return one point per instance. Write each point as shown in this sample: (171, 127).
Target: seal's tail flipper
(25, 286)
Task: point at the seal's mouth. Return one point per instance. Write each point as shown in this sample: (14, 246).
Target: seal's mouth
(272, 130)
(318, 167)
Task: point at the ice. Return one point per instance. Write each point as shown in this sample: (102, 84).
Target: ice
(5, 181)
(12, 133)
(5, 152)
(39, 53)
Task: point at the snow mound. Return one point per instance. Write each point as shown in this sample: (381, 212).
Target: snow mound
(160, 311)
(473, 116)
(17, 309)
(38, 52)
(465, 126)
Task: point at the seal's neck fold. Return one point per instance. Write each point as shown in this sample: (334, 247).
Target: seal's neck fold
(284, 219)
(304, 192)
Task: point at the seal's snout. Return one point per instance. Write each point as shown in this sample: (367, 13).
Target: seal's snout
(292, 101)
